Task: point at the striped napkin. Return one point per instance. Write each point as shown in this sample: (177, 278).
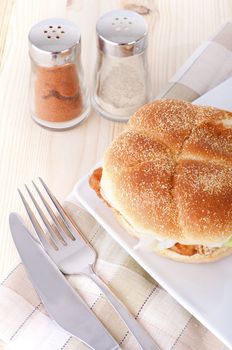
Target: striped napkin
(24, 323)
(209, 65)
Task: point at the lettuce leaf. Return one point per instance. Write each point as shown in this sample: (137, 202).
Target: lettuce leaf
(228, 243)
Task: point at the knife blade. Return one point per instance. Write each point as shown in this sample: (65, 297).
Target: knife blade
(62, 303)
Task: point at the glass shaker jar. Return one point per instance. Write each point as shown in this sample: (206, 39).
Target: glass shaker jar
(121, 75)
(58, 96)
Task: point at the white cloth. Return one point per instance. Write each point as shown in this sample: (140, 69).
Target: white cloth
(40, 332)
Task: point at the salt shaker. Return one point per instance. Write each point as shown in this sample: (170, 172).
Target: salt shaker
(121, 75)
(59, 98)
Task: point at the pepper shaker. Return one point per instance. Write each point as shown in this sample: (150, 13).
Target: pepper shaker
(121, 74)
(58, 95)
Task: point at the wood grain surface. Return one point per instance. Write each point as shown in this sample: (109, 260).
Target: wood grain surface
(176, 28)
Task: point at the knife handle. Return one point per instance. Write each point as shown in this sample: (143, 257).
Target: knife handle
(144, 339)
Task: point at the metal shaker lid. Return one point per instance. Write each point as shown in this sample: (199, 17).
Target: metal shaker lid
(122, 33)
(54, 41)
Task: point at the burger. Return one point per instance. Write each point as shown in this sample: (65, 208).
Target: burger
(168, 179)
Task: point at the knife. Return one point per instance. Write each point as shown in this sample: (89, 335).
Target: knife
(62, 303)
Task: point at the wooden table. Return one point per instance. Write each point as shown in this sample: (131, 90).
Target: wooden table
(27, 151)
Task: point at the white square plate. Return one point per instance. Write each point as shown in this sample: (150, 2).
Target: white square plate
(205, 290)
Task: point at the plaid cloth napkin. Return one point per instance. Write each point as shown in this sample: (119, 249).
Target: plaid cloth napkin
(24, 323)
(209, 65)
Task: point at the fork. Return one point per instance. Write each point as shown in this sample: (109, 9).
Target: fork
(71, 252)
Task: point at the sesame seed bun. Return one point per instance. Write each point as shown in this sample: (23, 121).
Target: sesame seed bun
(169, 174)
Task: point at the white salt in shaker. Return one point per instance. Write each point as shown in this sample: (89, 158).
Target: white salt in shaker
(121, 76)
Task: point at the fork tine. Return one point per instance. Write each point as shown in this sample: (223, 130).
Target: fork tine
(71, 226)
(63, 236)
(38, 229)
(44, 219)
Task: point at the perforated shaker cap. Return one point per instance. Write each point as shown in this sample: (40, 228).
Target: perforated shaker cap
(122, 33)
(54, 41)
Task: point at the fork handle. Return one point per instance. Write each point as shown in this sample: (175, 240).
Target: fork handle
(143, 338)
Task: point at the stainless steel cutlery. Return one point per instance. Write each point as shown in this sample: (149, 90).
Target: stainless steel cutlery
(60, 300)
(65, 244)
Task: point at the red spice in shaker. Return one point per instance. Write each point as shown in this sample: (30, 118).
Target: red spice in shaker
(58, 95)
